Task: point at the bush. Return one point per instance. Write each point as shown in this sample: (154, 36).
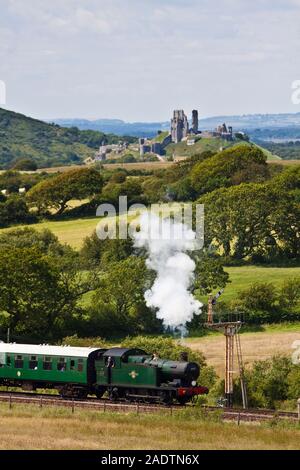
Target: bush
(271, 382)
(14, 210)
(25, 164)
(290, 293)
(262, 303)
(74, 341)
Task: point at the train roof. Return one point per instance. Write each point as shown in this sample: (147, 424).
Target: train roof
(46, 350)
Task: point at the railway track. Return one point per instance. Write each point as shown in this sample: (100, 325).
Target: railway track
(104, 405)
(239, 414)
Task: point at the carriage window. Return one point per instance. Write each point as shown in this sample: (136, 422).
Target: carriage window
(8, 360)
(72, 364)
(19, 362)
(80, 365)
(62, 364)
(33, 363)
(47, 363)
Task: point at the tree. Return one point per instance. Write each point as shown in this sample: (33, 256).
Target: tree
(258, 221)
(25, 164)
(96, 252)
(57, 191)
(118, 177)
(123, 284)
(14, 210)
(118, 301)
(268, 382)
(218, 171)
(44, 241)
(37, 298)
(130, 188)
(209, 273)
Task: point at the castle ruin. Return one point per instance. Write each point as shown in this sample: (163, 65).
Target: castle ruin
(179, 126)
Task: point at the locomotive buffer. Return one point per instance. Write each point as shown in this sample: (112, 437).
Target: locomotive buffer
(231, 331)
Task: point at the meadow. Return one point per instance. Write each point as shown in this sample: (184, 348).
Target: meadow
(29, 427)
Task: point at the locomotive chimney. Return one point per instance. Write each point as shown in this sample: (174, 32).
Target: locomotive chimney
(184, 356)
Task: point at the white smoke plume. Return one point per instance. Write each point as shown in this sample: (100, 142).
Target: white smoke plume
(168, 257)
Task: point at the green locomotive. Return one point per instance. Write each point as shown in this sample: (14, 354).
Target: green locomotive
(123, 373)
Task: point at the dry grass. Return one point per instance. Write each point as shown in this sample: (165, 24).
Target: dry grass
(111, 166)
(285, 162)
(139, 165)
(31, 428)
(255, 346)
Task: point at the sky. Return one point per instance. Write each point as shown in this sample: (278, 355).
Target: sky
(137, 60)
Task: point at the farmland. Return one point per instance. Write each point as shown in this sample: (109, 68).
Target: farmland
(256, 345)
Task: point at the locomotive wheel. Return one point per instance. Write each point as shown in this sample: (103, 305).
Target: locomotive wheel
(100, 392)
(165, 398)
(114, 394)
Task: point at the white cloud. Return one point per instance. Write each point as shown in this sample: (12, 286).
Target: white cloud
(136, 59)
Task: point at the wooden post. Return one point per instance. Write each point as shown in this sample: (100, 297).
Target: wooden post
(210, 309)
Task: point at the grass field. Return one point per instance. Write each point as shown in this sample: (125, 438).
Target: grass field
(242, 276)
(72, 232)
(275, 339)
(56, 429)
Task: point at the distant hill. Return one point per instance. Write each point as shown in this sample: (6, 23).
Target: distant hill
(258, 126)
(116, 126)
(47, 144)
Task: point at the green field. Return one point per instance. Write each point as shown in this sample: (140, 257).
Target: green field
(29, 427)
(72, 231)
(242, 276)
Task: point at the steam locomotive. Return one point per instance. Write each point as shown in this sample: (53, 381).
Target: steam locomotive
(123, 373)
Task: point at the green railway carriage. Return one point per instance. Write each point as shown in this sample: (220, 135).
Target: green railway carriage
(65, 368)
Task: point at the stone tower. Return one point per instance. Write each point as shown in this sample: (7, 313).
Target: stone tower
(195, 121)
(179, 126)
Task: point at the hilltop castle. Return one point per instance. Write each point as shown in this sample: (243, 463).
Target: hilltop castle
(180, 129)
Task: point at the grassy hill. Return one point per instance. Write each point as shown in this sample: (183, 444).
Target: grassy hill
(213, 144)
(47, 144)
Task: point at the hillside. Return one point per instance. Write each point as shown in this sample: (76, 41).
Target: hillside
(47, 144)
(116, 126)
(212, 144)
